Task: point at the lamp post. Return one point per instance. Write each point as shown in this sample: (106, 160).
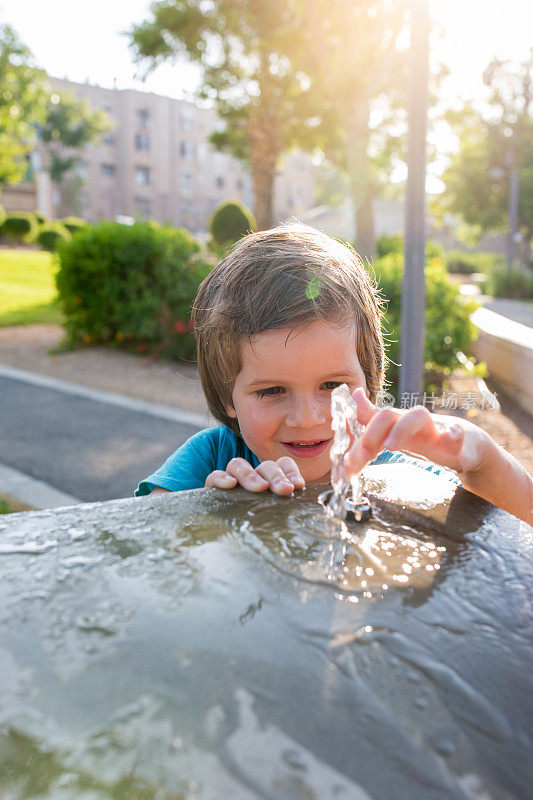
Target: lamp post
(512, 236)
(413, 297)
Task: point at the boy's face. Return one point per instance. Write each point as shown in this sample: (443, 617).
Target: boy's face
(282, 395)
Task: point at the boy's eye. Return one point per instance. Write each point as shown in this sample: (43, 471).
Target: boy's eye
(330, 385)
(270, 391)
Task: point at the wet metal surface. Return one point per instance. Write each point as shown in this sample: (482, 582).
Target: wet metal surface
(215, 645)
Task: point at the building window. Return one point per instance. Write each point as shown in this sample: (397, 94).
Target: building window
(143, 207)
(109, 138)
(221, 182)
(186, 181)
(142, 142)
(108, 170)
(187, 149)
(142, 176)
(187, 117)
(143, 117)
(81, 169)
(239, 184)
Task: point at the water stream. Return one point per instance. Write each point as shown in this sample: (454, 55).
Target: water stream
(348, 431)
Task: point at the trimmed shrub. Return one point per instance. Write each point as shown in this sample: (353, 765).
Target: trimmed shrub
(51, 234)
(19, 226)
(510, 283)
(2, 215)
(73, 224)
(41, 219)
(131, 285)
(230, 221)
(447, 319)
(389, 243)
(394, 243)
(465, 263)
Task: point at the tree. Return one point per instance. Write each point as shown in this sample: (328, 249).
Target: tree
(30, 109)
(243, 50)
(491, 144)
(284, 73)
(352, 58)
(22, 104)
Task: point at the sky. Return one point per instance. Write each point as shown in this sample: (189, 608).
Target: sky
(82, 41)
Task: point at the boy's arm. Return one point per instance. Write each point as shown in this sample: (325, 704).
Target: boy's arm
(484, 468)
(502, 480)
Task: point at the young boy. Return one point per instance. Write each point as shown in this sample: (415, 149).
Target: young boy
(286, 317)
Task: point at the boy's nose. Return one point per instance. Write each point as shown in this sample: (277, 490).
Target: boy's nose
(306, 412)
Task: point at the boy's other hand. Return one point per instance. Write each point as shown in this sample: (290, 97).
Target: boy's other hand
(449, 441)
(280, 477)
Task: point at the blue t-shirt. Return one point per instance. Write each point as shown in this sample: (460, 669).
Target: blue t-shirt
(213, 448)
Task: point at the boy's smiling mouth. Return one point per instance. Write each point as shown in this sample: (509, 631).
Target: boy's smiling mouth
(306, 449)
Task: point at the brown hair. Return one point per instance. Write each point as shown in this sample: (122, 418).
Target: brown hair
(284, 277)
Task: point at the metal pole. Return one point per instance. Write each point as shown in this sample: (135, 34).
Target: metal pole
(413, 297)
(513, 205)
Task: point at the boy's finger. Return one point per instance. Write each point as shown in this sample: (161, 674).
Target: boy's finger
(220, 480)
(409, 425)
(278, 481)
(291, 470)
(246, 475)
(365, 409)
(372, 441)
(379, 429)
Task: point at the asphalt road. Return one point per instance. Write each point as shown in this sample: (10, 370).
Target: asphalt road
(91, 450)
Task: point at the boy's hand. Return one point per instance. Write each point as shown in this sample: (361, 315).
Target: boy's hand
(486, 469)
(281, 476)
(449, 441)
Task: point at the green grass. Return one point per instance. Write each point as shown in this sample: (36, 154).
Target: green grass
(27, 288)
(8, 505)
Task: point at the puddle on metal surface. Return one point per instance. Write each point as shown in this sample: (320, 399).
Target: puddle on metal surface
(225, 645)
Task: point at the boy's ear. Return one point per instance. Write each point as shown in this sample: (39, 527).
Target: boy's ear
(230, 411)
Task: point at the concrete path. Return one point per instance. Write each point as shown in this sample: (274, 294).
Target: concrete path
(517, 310)
(85, 444)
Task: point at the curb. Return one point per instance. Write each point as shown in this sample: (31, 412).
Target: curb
(153, 409)
(32, 492)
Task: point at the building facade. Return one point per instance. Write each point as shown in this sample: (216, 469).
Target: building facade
(157, 163)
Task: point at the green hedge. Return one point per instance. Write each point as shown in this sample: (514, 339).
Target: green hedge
(387, 244)
(465, 263)
(447, 324)
(73, 224)
(510, 283)
(50, 234)
(131, 286)
(231, 221)
(19, 226)
(2, 215)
